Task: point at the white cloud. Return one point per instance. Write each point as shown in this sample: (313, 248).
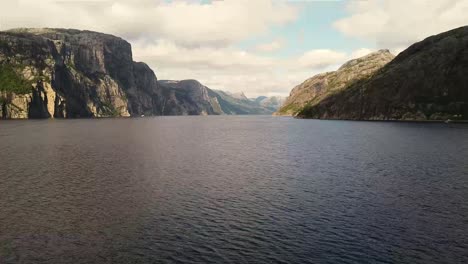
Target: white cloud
(184, 22)
(271, 46)
(320, 58)
(360, 53)
(235, 70)
(188, 40)
(396, 25)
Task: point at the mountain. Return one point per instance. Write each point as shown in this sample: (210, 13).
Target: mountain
(188, 97)
(322, 85)
(241, 104)
(427, 81)
(191, 97)
(240, 96)
(273, 102)
(67, 73)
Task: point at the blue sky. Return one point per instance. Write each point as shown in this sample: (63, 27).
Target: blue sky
(313, 29)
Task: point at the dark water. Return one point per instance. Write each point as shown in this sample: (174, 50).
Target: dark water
(232, 190)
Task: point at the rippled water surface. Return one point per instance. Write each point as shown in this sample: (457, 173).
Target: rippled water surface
(232, 190)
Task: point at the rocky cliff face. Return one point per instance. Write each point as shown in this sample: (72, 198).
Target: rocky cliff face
(69, 73)
(316, 88)
(428, 81)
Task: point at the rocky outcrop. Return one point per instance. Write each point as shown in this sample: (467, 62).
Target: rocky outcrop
(318, 87)
(427, 81)
(74, 73)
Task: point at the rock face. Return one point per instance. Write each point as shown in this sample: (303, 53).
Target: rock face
(428, 81)
(190, 97)
(320, 86)
(73, 74)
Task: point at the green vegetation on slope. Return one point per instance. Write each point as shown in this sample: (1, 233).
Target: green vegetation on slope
(12, 82)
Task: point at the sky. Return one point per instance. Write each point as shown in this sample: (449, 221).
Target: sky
(259, 47)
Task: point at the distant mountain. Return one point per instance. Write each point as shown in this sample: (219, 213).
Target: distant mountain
(240, 96)
(190, 97)
(320, 86)
(427, 81)
(273, 103)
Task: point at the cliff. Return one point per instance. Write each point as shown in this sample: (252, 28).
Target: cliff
(320, 86)
(427, 81)
(69, 73)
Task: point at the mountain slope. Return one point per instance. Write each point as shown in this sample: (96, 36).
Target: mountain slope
(428, 81)
(240, 105)
(190, 97)
(273, 103)
(314, 89)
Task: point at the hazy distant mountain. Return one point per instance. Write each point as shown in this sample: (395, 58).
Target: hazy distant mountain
(241, 104)
(274, 102)
(191, 97)
(427, 81)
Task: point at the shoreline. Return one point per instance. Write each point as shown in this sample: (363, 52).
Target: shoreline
(295, 117)
(389, 120)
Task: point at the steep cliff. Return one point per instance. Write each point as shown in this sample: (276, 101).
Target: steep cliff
(316, 88)
(70, 73)
(427, 81)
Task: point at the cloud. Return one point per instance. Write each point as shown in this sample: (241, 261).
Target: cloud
(178, 39)
(189, 40)
(271, 46)
(396, 25)
(320, 58)
(235, 70)
(184, 22)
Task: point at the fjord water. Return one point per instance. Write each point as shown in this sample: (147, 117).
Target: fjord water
(227, 189)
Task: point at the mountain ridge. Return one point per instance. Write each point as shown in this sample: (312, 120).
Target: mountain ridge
(321, 85)
(218, 102)
(427, 81)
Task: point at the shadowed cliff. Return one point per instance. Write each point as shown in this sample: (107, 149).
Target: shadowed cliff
(427, 81)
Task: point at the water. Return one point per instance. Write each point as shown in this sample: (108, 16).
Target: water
(232, 190)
